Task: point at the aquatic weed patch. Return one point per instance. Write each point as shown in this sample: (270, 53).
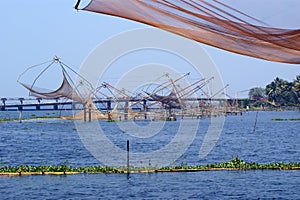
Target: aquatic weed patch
(5, 119)
(234, 164)
(33, 117)
(286, 119)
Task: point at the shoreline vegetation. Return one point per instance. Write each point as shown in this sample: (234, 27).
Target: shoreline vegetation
(278, 93)
(234, 164)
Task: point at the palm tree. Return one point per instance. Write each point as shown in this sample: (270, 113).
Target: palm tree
(273, 90)
(283, 92)
(296, 88)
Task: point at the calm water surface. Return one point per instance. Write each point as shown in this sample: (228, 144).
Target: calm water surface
(45, 142)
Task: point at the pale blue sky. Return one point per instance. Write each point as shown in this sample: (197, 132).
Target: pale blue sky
(33, 31)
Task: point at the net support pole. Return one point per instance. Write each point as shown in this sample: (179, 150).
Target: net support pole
(128, 166)
(77, 5)
(20, 108)
(84, 114)
(126, 110)
(90, 113)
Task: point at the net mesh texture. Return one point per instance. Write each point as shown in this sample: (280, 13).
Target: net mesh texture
(210, 22)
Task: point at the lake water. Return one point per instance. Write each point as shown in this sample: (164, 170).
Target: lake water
(54, 142)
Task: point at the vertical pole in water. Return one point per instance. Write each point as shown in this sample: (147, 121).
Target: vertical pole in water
(145, 108)
(20, 107)
(128, 168)
(255, 121)
(126, 110)
(20, 116)
(90, 113)
(84, 113)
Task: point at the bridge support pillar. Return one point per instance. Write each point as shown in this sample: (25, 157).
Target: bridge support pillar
(20, 107)
(55, 106)
(3, 106)
(109, 105)
(38, 107)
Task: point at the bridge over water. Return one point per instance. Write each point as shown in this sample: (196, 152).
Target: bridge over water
(106, 104)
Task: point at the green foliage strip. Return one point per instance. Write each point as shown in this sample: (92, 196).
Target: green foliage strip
(234, 164)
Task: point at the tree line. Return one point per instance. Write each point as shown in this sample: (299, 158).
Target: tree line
(279, 92)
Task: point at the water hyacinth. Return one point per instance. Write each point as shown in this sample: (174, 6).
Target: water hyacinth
(234, 164)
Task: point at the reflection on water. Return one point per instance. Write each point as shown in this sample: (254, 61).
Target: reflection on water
(53, 142)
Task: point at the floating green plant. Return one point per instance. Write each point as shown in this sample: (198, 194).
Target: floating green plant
(5, 119)
(29, 118)
(286, 119)
(234, 164)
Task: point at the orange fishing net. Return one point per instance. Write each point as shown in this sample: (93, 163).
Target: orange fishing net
(65, 90)
(209, 22)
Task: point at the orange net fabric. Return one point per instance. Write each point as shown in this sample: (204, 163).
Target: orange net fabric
(209, 22)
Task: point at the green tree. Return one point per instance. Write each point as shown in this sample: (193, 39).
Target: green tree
(256, 93)
(283, 92)
(296, 88)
